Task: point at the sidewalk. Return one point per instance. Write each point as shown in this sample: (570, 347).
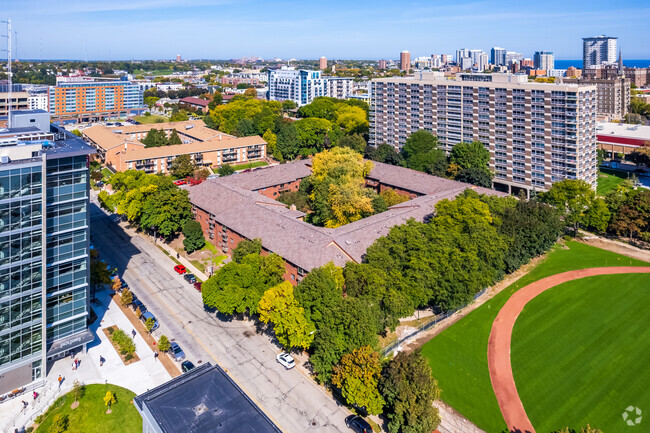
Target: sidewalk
(137, 377)
(183, 261)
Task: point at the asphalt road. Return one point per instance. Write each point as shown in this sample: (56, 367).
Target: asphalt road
(290, 398)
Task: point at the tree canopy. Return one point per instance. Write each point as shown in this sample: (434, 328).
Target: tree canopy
(357, 376)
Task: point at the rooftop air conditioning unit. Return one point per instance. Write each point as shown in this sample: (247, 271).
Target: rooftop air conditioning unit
(189, 126)
(4, 159)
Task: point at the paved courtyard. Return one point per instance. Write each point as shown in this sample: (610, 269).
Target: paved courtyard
(137, 377)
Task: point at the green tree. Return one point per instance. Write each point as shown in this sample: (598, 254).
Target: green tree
(60, 423)
(279, 307)
(470, 155)
(475, 176)
(76, 132)
(155, 138)
(126, 298)
(99, 275)
(288, 143)
(193, 233)
(355, 142)
(174, 138)
(217, 99)
(250, 92)
(384, 153)
(245, 128)
(149, 324)
(320, 294)
(167, 211)
(178, 116)
(409, 389)
(245, 248)
(163, 343)
(271, 141)
(225, 170)
(288, 105)
(352, 120)
(182, 166)
(357, 376)
(433, 162)
(312, 134)
(78, 390)
(573, 198)
(419, 142)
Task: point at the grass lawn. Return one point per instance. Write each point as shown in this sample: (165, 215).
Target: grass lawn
(91, 415)
(251, 165)
(458, 356)
(106, 173)
(154, 72)
(154, 118)
(580, 352)
(607, 183)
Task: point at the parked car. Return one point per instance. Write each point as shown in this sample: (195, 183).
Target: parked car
(176, 351)
(146, 316)
(180, 269)
(286, 360)
(198, 285)
(138, 304)
(186, 366)
(190, 278)
(358, 424)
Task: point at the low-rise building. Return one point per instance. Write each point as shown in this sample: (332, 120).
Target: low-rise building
(244, 206)
(637, 76)
(621, 138)
(195, 103)
(203, 400)
(122, 149)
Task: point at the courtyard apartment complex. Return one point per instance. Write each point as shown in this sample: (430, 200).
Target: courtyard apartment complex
(243, 206)
(44, 247)
(121, 148)
(537, 133)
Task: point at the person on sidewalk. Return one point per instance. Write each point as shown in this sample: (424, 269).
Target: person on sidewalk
(60, 379)
(101, 360)
(155, 356)
(133, 333)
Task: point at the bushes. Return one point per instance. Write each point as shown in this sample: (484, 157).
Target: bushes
(123, 341)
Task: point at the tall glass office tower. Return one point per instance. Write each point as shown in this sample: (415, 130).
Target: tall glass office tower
(44, 245)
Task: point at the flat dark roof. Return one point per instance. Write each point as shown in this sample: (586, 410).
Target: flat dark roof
(204, 400)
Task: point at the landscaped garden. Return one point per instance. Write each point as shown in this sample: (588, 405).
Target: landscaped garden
(90, 415)
(146, 120)
(458, 356)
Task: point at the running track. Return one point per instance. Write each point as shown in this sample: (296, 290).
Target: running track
(498, 353)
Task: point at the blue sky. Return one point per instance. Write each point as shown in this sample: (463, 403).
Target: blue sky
(366, 29)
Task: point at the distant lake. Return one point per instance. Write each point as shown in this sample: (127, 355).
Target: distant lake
(563, 64)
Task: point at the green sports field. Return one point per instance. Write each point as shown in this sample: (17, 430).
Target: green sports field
(580, 353)
(458, 356)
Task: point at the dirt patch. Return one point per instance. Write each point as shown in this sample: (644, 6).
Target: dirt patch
(615, 247)
(166, 361)
(109, 332)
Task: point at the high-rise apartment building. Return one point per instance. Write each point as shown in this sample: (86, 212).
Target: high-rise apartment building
(405, 61)
(614, 95)
(598, 50)
(19, 98)
(498, 56)
(339, 87)
(322, 63)
(462, 53)
(298, 85)
(90, 101)
(537, 133)
(44, 241)
(513, 57)
(382, 64)
(544, 60)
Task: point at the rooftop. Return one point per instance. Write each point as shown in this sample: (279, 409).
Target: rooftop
(196, 147)
(204, 400)
(195, 101)
(640, 132)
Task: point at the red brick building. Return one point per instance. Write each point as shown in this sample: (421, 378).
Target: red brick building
(243, 206)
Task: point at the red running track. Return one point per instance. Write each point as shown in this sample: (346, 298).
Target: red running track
(498, 353)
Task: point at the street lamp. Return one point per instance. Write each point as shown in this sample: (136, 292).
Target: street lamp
(211, 261)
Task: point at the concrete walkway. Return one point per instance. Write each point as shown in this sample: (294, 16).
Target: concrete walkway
(138, 377)
(190, 267)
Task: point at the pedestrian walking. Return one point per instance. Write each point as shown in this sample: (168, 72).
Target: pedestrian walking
(60, 379)
(35, 395)
(76, 363)
(101, 360)
(133, 333)
(24, 405)
(155, 356)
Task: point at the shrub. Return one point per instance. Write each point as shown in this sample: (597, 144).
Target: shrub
(128, 357)
(123, 341)
(60, 423)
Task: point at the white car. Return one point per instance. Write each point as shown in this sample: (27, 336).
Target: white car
(286, 360)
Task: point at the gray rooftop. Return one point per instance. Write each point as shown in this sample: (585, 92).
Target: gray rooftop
(204, 400)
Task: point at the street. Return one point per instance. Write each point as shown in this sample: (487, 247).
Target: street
(290, 398)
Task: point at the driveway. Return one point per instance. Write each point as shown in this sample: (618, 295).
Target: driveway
(290, 398)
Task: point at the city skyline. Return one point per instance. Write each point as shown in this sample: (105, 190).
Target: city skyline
(144, 29)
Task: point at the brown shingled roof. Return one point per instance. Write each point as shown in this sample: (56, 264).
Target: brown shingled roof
(234, 203)
(196, 147)
(195, 101)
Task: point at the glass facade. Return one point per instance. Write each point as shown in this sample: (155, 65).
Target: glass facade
(20, 263)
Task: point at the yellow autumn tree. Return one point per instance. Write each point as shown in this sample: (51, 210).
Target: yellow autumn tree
(357, 376)
(279, 307)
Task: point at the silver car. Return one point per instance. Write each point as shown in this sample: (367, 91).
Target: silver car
(176, 352)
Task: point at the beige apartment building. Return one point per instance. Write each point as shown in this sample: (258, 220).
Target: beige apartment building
(537, 133)
(19, 101)
(122, 149)
(613, 96)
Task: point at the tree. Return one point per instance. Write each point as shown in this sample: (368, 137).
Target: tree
(245, 248)
(352, 120)
(138, 313)
(419, 142)
(572, 198)
(193, 233)
(475, 176)
(78, 390)
(245, 128)
(312, 133)
(288, 105)
(117, 284)
(126, 298)
(109, 400)
(409, 389)
(174, 138)
(632, 216)
(167, 211)
(155, 138)
(178, 116)
(182, 166)
(470, 155)
(271, 141)
(99, 275)
(288, 143)
(76, 132)
(355, 142)
(250, 92)
(217, 99)
(587, 429)
(60, 423)
(640, 156)
(357, 376)
(279, 307)
(384, 153)
(433, 162)
(392, 198)
(320, 294)
(149, 324)
(225, 170)
(163, 343)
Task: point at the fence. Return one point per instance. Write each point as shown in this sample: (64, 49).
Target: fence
(439, 317)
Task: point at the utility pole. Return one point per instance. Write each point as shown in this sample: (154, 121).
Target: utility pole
(9, 96)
